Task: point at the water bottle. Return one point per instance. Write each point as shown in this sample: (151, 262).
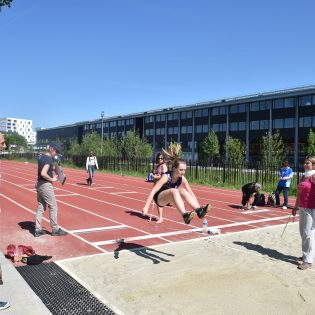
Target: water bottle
(205, 227)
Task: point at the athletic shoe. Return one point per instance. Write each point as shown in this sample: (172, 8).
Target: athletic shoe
(299, 260)
(39, 233)
(254, 207)
(4, 305)
(201, 212)
(59, 232)
(305, 266)
(188, 216)
(284, 208)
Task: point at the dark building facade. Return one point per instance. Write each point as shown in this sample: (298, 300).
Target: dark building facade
(248, 118)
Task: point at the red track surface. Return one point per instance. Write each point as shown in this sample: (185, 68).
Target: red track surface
(97, 216)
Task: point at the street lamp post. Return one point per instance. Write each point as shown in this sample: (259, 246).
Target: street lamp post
(102, 135)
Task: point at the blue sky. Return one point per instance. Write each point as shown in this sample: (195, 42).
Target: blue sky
(66, 61)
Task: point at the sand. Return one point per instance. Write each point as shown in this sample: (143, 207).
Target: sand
(251, 272)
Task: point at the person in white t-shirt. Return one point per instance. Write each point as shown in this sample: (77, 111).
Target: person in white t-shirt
(91, 164)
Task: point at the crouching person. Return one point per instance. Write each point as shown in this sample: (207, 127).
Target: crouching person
(248, 198)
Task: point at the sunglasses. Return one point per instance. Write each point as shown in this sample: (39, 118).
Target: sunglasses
(161, 158)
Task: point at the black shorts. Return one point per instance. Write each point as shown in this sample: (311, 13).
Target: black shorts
(156, 196)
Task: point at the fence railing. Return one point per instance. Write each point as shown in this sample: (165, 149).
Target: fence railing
(220, 174)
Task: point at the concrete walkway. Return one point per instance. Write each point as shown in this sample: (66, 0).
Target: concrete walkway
(22, 298)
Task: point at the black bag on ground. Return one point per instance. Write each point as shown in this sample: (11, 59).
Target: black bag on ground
(259, 200)
(36, 259)
(271, 199)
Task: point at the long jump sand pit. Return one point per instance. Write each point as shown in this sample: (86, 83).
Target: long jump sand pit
(251, 272)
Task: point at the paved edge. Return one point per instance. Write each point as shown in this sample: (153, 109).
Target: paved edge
(22, 298)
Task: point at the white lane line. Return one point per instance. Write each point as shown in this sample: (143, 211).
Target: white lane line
(29, 210)
(62, 195)
(104, 228)
(254, 211)
(95, 214)
(102, 187)
(124, 192)
(145, 237)
(137, 238)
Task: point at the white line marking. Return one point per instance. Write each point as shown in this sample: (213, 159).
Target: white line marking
(254, 211)
(62, 195)
(123, 192)
(115, 227)
(29, 210)
(186, 231)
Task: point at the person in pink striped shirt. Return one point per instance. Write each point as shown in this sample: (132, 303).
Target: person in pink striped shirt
(305, 203)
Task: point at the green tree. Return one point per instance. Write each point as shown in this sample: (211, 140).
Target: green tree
(5, 3)
(74, 148)
(310, 149)
(112, 147)
(273, 149)
(134, 147)
(15, 142)
(210, 145)
(235, 151)
(91, 142)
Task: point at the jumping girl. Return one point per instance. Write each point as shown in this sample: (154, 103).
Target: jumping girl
(166, 191)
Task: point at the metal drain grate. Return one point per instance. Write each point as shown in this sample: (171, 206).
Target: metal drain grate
(61, 294)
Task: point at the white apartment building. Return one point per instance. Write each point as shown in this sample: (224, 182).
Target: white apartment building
(21, 126)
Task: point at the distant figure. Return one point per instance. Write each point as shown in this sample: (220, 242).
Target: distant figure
(45, 191)
(284, 184)
(248, 198)
(91, 164)
(160, 169)
(3, 304)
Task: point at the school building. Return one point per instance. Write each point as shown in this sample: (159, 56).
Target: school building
(248, 118)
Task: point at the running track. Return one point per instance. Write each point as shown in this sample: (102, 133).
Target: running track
(96, 217)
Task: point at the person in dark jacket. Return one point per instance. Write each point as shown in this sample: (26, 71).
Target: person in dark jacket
(248, 192)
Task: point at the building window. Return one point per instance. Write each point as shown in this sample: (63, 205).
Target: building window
(216, 111)
(254, 107)
(240, 108)
(265, 105)
(186, 115)
(172, 130)
(278, 123)
(254, 125)
(308, 121)
(219, 127)
(202, 112)
(289, 102)
(148, 119)
(278, 103)
(172, 116)
(264, 124)
(306, 100)
(288, 123)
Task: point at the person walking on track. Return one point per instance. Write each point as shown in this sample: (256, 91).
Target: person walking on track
(45, 191)
(90, 165)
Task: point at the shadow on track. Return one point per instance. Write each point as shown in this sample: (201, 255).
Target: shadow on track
(142, 251)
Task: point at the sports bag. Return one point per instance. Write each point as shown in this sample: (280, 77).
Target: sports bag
(259, 200)
(271, 199)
